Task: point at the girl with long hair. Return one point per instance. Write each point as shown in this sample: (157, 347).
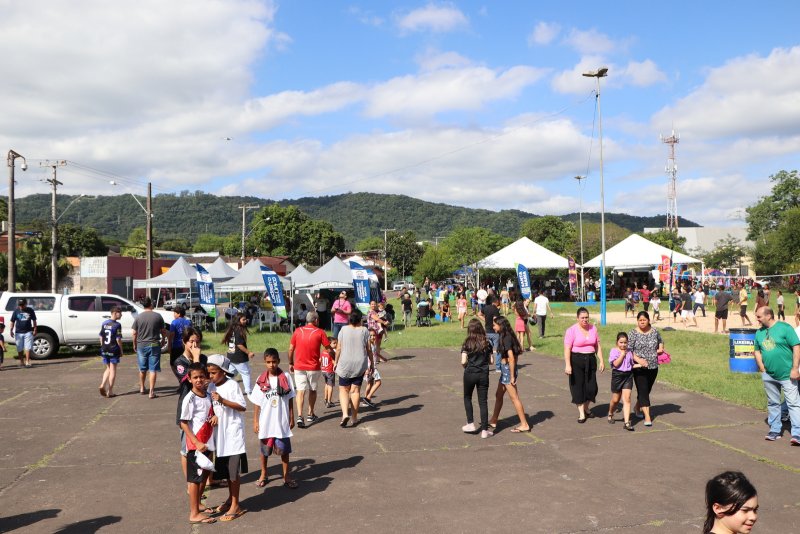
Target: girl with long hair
(238, 353)
(510, 349)
(731, 504)
(476, 355)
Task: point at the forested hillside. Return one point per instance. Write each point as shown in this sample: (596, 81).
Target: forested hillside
(355, 215)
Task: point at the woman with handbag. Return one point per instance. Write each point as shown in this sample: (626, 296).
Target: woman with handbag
(582, 356)
(646, 344)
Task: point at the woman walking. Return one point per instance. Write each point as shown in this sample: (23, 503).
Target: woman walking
(353, 358)
(510, 349)
(476, 355)
(238, 353)
(646, 344)
(582, 356)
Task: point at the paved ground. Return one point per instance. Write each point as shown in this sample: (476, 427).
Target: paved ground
(74, 462)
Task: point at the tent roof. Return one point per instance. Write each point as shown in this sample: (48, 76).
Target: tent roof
(526, 252)
(333, 275)
(300, 276)
(249, 279)
(637, 251)
(221, 271)
(181, 274)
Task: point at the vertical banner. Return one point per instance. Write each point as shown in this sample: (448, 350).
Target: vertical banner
(361, 286)
(664, 268)
(274, 290)
(573, 276)
(205, 291)
(524, 280)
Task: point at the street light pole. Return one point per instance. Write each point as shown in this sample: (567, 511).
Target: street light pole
(244, 225)
(12, 228)
(54, 223)
(148, 211)
(601, 73)
(386, 258)
(580, 179)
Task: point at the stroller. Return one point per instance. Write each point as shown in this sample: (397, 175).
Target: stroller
(423, 313)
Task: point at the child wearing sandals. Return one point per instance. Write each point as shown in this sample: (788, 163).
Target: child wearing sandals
(229, 405)
(273, 419)
(373, 379)
(622, 364)
(327, 361)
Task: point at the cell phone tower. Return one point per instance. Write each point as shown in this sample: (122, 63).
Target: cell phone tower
(672, 179)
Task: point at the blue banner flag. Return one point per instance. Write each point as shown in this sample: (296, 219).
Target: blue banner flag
(205, 291)
(274, 290)
(361, 286)
(524, 280)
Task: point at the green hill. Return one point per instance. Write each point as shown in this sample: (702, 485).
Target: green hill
(355, 215)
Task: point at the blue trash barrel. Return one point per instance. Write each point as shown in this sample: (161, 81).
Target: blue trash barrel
(742, 350)
(590, 296)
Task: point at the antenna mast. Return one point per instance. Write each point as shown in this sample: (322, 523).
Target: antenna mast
(672, 178)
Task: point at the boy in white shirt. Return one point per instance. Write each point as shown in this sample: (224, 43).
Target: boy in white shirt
(229, 405)
(197, 422)
(273, 419)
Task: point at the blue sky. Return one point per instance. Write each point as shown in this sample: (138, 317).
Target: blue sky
(471, 103)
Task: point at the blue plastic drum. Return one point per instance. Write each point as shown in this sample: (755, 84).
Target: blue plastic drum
(743, 350)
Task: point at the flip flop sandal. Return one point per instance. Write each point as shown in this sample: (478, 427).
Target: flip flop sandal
(231, 517)
(204, 521)
(344, 422)
(102, 392)
(291, 484)
(209, 511)
(518, 430)
(261, 483)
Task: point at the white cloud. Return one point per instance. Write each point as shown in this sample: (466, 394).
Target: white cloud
(544, 33)
(439, 18)
(750, 95)
(573, 81)
(465, 88)
(636, 73)
(642, 73)
(366, 17)
(591, 42)
(432, 60)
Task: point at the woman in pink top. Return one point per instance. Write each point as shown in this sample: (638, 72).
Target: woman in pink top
(582, 356)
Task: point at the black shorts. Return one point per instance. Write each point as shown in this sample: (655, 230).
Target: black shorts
(194, 473)
(743, 310)
(721, 314)
(621, 380)
(230, 467)
(629, 307)
(330, 379)
(357, 381)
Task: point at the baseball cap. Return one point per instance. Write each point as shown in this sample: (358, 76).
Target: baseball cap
(222, 362)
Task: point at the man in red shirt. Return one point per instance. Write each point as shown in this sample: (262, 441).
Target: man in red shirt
(304, 362)
(645, 297)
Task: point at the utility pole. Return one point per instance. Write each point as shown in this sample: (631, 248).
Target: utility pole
(386, 258)
(12, 250)
(53, 222)
(244, 224)
(436, 239)
(149, 227)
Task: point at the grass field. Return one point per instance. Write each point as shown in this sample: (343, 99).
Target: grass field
(699, 360)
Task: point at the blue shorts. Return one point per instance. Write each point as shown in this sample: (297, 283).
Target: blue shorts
(24, 341)
(357, 381)
(505, 374)
(330, 379)
(149, 357)
(109, 357)
(279, 446)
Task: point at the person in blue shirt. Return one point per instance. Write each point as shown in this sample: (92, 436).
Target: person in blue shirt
(110, 350)
(176, 329)
(23, 320)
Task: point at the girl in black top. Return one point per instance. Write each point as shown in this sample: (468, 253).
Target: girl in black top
(510, 349)
(476, 355)
(238, 353)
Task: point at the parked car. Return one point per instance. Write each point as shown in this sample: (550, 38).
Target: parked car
(72, 320)
(183, 299)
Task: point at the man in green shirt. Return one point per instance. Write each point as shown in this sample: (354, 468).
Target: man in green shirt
(778, 356)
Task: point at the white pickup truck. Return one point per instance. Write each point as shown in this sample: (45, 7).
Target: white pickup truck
(70, 319)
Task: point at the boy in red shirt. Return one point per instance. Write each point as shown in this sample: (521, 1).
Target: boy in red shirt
(327, 361)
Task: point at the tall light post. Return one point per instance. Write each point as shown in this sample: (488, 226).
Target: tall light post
(245, 209)
(148, 212)
(386, 258)
(53, 222)
(601, 73)
(580, 179)
(12, 227)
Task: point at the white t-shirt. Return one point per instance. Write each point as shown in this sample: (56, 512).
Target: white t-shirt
(481, 294)
(699, 297)
(273, 421)
(540, 304)
(780, 300)
(229, 434)
(196, 410)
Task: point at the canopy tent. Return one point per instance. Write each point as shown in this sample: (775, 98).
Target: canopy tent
(636, 252)
(526, 252)
(249, 279)
(300, 276)
(221, 271)
(333, 275)
(180, 275)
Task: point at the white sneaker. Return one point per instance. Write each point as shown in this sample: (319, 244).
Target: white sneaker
(486, 434)
(470, 427)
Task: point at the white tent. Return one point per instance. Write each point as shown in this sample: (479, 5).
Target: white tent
(249, 279)
(300, 276)
(526, 252)
(221, 271)
(333, 275)
(637, 252)
(180, 275)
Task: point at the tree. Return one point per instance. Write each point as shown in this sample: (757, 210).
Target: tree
(551, 232)
(779, 250)
(466, 246)
(75, 240)
(136, 245)
(764, 216)
(667, 238)
(403, 252)
(208, 243)
(592, 240)
(370, 244)
(435, 263)
(177, 244)
(727, 252)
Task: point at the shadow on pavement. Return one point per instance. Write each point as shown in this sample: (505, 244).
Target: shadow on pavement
(397, 400)
(312, 477)
(395, 412)
(403, 357)
(7, 524)
(540, 417)
(89, 525)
